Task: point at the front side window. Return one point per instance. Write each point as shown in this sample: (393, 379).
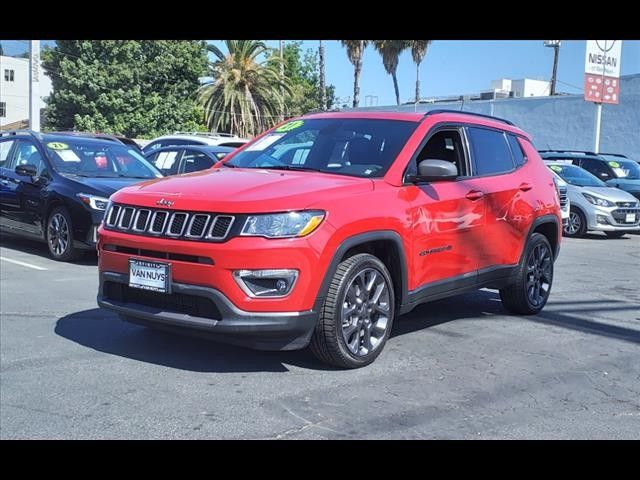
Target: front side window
(491, 152)
(443, 145)
(344, 146)
(597, 168)
(26, 153)
(88, 158)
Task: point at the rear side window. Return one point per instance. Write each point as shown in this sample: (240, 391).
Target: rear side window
(516, 150)
(491, 152)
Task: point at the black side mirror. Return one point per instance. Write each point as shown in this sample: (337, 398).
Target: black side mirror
(434, 170)
(27, 170)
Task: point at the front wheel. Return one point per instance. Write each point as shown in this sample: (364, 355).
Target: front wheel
(576, 225)
(60, 235)
(357, 315)
(615, 234)
(529, 292)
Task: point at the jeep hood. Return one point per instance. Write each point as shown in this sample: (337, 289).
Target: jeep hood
(242, 190)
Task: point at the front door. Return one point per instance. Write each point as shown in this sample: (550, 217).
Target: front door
(448, 216)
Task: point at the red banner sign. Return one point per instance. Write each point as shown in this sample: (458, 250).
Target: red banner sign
(603, 89)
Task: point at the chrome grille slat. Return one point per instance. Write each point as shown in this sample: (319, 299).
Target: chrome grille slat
(169, 223)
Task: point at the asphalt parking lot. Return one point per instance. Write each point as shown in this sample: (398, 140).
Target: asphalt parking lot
(456, 368)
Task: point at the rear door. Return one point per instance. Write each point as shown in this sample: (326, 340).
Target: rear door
(503, 185)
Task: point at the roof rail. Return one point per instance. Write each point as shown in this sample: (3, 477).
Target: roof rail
(584, 152)
(206, 134)
(613, 154)
(10, 133)
(441, 110)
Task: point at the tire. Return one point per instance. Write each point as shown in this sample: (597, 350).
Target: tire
(576, 225)
(529, 292)
(615, 234)
(59, 236)
(344, 343)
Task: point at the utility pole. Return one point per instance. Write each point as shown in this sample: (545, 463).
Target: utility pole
(555, 44)
(323, 89)
(282, 78)
(34, 85)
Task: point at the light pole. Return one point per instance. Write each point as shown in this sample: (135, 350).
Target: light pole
(555, 44)
(282, 78)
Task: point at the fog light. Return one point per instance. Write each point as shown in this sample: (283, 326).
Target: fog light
(266, 283)
(602, 219)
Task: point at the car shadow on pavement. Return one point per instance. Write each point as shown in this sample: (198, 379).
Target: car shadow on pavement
(105, 332)
(40, 249)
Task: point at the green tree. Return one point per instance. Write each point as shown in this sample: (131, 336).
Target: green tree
(301, 70)
(244, 97)
(418, 52)
(355, 51)
(133, 88)
(390, 51)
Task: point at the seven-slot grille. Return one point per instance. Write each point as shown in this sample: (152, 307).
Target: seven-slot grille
(562, 190)
(169, 223)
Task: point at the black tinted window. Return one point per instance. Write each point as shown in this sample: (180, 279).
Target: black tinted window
(195, 161)
(491, 153)
(516, 149)
(596, 167)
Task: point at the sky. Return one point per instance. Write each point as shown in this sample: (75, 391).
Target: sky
(451, 67)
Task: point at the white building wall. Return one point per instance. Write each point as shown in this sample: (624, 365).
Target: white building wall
(528, 87)
(16, 93)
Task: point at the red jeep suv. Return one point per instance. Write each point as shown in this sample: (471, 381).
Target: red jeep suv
(327, 227)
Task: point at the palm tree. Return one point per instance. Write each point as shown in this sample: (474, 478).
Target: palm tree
(247, 93)
(355, 50)
(418, 52)
(390, 51)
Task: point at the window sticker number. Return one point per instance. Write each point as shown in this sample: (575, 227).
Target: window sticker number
(614, 164)
(556, 168)
(57, 146)
(287, 127)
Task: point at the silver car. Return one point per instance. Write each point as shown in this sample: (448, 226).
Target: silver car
(595, 205)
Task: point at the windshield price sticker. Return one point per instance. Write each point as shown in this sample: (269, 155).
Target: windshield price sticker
(57, 146)
(555, 168)
(287, 127)
(614, 164)
(68, 156)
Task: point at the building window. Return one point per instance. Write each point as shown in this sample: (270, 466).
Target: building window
(8, 75)
(3, 109)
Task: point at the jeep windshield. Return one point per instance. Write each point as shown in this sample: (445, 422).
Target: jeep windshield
(356, 147)
(577, 176)
(90, 158)
(623, 168)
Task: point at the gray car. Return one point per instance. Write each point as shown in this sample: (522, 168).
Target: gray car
(595, 205)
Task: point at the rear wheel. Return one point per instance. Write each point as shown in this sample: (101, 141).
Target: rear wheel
(60, 235)
(615, 234)
(529, 293)
(357, 315)
(576, 225)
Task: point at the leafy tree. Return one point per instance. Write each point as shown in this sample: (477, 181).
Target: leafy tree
(133, 88)
(418, 52)
(390, 51)
(355, 50)
(301, 70)
(245, 95)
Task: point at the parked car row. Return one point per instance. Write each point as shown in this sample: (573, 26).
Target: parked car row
(55, 187)
(602, 189)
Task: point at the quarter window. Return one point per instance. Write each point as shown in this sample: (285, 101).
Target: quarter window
(516, 149)
(491, 153)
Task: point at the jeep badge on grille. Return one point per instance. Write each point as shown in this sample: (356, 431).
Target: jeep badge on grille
(165, 203)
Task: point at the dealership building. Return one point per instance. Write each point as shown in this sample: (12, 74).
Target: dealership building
(554, 122)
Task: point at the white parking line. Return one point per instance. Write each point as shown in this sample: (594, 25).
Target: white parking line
(24, 264)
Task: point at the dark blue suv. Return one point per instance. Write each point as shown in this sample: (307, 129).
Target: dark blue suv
(55, 187)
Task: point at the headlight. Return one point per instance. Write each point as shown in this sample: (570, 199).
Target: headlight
(597, 200)
(95, 202)
(283, 225)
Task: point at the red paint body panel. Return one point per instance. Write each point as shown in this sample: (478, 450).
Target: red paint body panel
(490, 230)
